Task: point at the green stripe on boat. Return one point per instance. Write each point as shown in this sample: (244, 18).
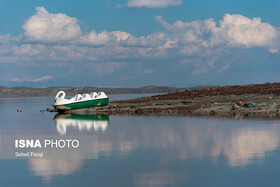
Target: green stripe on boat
(83, 104)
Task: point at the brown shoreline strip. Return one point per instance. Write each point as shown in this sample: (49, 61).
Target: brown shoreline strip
(261, 100)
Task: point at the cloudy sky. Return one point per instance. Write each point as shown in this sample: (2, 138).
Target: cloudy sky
(131, 43)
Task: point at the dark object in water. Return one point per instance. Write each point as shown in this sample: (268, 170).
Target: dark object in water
(254, 105)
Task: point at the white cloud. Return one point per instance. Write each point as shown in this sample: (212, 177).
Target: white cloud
(4, 39)
(120, 36)
(223, 68)
(104, 37)
(273, 50)
(29, 49)
(42, 79)
(108, 67)
(96, 38)
(202, 40)
(30, 80)
(233, 30)
(148, 71)
(7, 39)
(169, 44)
(58, 39)
(201, 69)
(15, 80)
(190, 50)
(153, 3)
(239, 30)
(47, 27)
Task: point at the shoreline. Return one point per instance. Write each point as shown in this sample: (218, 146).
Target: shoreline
(13, 92)
(203, 106)
(257, 101)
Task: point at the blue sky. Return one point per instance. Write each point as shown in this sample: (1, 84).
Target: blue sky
(131, 43)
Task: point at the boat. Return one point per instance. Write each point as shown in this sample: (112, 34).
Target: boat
(80, 100)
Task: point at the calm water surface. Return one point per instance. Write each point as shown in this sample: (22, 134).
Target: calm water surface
(143, 151)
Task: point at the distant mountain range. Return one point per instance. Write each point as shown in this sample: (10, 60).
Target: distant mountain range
(70, 91)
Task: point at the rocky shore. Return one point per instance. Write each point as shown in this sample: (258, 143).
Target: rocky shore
(259, 100)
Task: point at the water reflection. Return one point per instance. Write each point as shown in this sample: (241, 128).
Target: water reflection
(244, 146)
(161, 178)
(187, 138)
(48, 168)
(240, 142)
(81, 122)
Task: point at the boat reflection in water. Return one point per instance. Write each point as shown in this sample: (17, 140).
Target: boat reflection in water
(81, 122)
(65, 163)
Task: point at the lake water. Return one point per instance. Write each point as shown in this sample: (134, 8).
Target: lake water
(142, 151)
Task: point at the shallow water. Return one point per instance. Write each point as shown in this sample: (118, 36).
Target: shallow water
(143, 151)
